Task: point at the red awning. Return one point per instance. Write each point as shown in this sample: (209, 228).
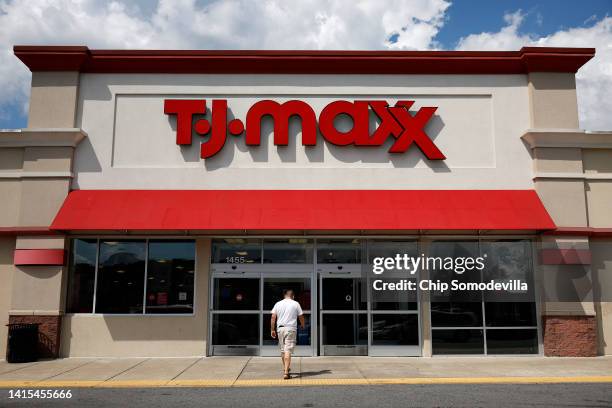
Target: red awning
(241, 210)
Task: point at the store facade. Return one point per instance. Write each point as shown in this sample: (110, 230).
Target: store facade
(160, 201)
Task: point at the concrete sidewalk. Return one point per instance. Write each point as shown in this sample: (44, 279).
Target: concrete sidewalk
(266, 371)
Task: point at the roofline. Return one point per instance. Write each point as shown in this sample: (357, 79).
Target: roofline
(82, 59)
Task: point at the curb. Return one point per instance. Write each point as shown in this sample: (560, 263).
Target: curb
(302, 382)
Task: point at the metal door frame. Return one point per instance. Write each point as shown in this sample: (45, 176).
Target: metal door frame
(261, 272)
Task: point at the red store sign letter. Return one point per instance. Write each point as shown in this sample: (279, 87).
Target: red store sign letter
(395, 121)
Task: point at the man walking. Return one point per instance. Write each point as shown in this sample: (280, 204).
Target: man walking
(283, 325)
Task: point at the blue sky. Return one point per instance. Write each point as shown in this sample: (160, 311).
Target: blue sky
(310, 24)
(542, 18)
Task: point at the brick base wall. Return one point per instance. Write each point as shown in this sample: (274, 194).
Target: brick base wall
(570, 336)
(48, 332)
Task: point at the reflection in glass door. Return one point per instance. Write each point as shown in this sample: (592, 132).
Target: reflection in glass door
(343, 306)
(344, 323)
(394, 315)
(235, 314)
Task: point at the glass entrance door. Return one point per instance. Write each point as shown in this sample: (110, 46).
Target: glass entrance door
(236, 313)
(343, 306)
(273, 286)
(332, 281)
(248, 278)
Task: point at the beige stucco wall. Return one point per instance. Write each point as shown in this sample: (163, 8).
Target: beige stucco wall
(41, 199)
(35, 175)
(10, 191)
(7, 246)
(553, 100)
(53, 99)
(564, 200)
(597, 160)
(31, 199)
(558, 159)
(87, 335)
(562, 165)
(598, 163)
(573, 176)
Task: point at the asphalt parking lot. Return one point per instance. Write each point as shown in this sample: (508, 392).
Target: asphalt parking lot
(429, 395)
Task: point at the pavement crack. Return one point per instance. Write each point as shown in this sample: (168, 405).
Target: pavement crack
(186, 368)
(241, 371)
(127, 369)
(361, 372)
(67, 371)
(20, 368)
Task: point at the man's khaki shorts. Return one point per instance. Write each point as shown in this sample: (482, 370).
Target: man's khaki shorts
(287, 337)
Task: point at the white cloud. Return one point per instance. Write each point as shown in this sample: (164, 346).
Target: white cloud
(593, 81)
(276, 24)
(230, 24)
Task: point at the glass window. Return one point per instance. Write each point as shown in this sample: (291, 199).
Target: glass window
(338, 251)
(510, 314)
(82, 276)
(512, 341)
(292, 250)
(395, 330)
(447, 314)
(121, 272)
(461, 341)
(170, 273)
(393, 299)
(343, 294)
(508, 261)
(273, 291)
(236, 251)
(235, 329)
(236, 294)
(440, 252)
(345, 329)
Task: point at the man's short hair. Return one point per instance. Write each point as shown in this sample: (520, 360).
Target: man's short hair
(287, 292)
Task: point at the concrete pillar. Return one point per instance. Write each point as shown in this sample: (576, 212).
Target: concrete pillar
(425, 307)
(45, 152)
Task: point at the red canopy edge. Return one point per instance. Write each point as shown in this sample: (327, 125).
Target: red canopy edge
(159, 210)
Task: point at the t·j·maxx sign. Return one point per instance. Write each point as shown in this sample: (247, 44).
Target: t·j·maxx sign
(395, 121)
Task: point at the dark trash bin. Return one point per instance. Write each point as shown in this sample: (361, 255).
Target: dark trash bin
(22, 344)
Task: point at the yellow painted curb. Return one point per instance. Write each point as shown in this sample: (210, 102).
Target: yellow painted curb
(200, 383)
(133, 384)
(302, 382)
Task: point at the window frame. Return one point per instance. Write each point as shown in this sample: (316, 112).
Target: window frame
(147, 239)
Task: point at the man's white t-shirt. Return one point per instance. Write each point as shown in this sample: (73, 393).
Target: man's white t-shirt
(287, 312)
